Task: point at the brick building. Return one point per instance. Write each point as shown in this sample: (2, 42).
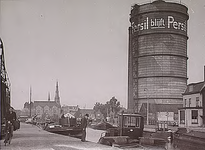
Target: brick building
(48, 109)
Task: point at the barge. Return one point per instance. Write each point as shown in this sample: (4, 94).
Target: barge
(129, 133)
(66, 126)
(189, 140)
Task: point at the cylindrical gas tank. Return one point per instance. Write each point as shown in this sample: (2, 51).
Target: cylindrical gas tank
(158, 52)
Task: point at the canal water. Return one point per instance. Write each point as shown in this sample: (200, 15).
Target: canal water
(94, 136)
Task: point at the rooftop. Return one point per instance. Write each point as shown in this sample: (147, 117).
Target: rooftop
(193, 88)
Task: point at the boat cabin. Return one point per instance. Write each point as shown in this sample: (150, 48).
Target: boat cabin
(130, 125)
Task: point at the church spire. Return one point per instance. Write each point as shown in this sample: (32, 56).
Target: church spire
(57, 97)
(49, 98)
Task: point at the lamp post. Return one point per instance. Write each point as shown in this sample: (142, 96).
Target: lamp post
(167, 118)
(147, 107)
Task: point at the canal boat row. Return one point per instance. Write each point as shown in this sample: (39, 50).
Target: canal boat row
(130, 132)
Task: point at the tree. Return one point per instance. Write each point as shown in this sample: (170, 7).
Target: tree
(114, 105)
(100, 107)
(97, 106)
(111, 106)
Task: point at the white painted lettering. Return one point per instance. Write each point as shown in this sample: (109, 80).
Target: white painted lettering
(152, 23)
(170, 21)
(147, 22)
(141, 26)
(179, 25)
(159, 23)
(175, 25)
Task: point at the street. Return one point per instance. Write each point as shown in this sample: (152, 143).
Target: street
(30, 137)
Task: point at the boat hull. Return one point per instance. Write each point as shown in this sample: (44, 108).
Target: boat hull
(189, 141)
(67, 131)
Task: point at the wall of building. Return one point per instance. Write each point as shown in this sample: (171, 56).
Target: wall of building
(203, 104)
(189, 122)
(192, 98)
(70, 109)
(189, 105)
(46, 110)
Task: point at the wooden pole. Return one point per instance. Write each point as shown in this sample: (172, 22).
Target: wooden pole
(30, 101)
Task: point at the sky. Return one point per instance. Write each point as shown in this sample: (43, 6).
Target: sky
(82, 44)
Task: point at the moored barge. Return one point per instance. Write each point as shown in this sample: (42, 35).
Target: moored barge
(66, 126)
(189, 140)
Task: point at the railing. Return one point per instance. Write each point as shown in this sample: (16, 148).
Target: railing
(150, 1)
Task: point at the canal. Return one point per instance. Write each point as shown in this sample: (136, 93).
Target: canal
(94, 136)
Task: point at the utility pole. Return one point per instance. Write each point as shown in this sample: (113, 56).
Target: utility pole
(30, 101)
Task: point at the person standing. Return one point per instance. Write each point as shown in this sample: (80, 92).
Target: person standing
(84, 123)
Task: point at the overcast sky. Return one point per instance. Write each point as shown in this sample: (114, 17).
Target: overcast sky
(82, 44)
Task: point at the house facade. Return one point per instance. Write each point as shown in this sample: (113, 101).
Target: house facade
(191, 114)
(46, 109)
(69, 109)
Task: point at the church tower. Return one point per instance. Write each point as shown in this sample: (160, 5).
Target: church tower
(57, 97)
(49, 98)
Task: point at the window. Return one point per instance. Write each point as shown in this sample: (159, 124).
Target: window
(137, 122)
(38, 112)
(197, 101)
(189, 102)
(182, 117)
(194, 116)
(130, 121)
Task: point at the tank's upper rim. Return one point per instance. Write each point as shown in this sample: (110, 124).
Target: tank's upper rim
(158, 2)
(168, 7)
